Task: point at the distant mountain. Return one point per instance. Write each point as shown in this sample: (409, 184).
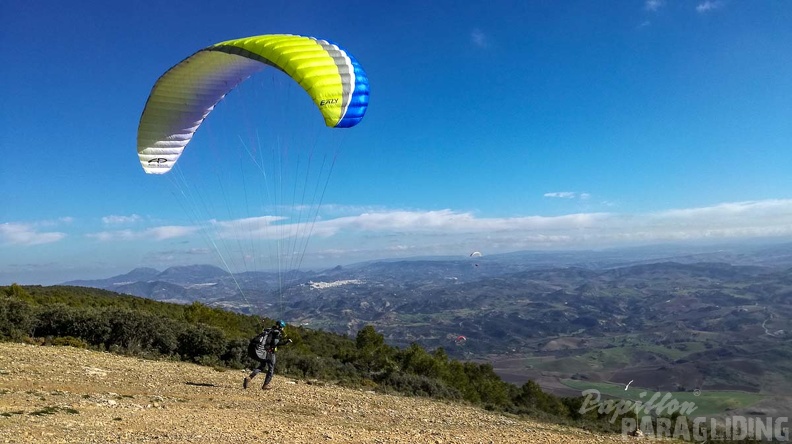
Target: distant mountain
(157, 290)
(136, 275)
(193, 274)
(211, 283)
(176, 284)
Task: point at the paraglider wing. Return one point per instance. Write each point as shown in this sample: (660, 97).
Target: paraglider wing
(475, 254)
(182, 97)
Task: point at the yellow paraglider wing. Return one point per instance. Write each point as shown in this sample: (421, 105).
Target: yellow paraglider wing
(182, 97)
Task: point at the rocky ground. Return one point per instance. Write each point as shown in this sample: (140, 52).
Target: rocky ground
(70, 395)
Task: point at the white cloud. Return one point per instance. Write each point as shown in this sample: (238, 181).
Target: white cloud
(736, 219)
(402, 233)
(479, 38)
(568, 195)
(154, 233)
(52, 222)
(561, 194)
(444, 223)
(248, 223)
(169, 232)
(106, 236)
(349, 210)
(26, 234)
(438, 232)
(118, 220)
(653, 5)
(708, 6)
(260, 227)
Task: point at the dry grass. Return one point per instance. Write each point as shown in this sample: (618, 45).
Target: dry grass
(69, 395)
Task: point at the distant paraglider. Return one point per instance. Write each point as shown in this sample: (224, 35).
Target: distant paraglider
(460, 340)
(476, 254)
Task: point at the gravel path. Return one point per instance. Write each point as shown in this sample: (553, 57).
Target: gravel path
(70, 395)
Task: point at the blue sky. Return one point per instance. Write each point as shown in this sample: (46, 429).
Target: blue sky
(493, 126)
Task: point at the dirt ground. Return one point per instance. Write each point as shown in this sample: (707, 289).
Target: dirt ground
(70, 395)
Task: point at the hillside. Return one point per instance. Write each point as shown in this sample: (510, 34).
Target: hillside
(71, 395)
(676, 325)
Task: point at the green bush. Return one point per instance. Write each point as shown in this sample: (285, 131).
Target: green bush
(16, 318)
(197, 341)
(419, 385)
(317, 367)
(235, 355)
(69, 341)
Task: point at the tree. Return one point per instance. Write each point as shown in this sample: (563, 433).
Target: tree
(372, 353)
(16, 318)
(531, 395)
(368, 339)
(17, 291)
(202, 340)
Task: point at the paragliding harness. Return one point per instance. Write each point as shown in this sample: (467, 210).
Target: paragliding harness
(262, 342)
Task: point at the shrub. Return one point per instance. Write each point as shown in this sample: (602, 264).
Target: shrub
(16, 319)
(201, 340)
(419, 385)
(69, 341)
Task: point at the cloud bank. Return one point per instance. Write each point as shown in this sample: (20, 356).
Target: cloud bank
(27, 234)
(382, 234)
(449, 227)
(153, 233)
